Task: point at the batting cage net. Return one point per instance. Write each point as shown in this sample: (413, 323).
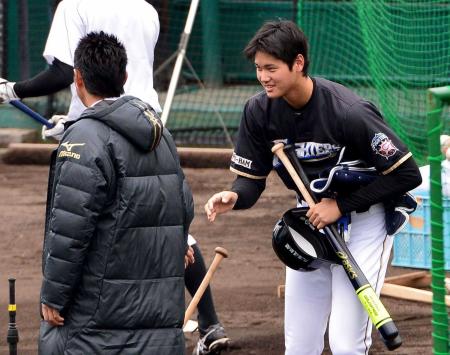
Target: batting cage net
(388, 52)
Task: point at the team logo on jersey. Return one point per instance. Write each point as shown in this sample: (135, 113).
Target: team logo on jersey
(313, 151)
(238, 160)
(68, 152)
(382, 145)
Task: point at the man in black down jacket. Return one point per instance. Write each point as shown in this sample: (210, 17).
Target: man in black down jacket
(118, 214)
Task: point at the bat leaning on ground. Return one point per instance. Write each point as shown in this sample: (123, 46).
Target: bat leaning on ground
(366, 294)
(34, 115)
(220, 254)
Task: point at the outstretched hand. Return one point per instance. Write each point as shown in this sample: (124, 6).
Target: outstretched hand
(220, 203)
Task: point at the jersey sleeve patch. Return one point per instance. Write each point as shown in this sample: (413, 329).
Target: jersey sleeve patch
(238, 160)
(382, 145)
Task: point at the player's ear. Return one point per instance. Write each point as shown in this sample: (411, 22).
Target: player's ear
(299, 63)
(126, 78)
(78, 79)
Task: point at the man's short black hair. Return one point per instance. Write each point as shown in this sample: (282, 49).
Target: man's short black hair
(102, 61)
(282, 40)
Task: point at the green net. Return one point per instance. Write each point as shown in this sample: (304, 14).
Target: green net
(388, 52)
(216, 79)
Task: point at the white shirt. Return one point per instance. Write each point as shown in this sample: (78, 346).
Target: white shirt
(445, 178)
(134, 22)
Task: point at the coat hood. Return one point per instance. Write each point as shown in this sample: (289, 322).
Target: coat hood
(131, 117)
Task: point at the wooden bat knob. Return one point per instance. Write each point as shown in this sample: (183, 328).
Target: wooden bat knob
(277, 146)
(220, 254)
(221, 251)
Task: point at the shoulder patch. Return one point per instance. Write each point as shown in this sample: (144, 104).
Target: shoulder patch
(382, 145)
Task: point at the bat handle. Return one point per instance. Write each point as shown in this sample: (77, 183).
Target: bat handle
(220, 254)
(390, 336)
(25, 109)
(13, 334)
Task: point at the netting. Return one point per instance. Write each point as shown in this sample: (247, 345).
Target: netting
(388, 52)
(216, 79)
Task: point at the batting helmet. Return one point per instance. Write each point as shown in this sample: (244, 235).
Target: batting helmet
(298, 244)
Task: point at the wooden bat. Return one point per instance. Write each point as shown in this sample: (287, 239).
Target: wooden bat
(366, 294)
(220, 254)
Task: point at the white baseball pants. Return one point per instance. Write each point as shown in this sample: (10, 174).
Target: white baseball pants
(326, 296)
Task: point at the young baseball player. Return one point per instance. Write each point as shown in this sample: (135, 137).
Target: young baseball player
(323, 120)
(136, 24)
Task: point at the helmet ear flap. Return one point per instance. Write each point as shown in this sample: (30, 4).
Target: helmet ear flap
(298, 244)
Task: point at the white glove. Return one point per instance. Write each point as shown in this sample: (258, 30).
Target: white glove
(58, 129)
(7, 92)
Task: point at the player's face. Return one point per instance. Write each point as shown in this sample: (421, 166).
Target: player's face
(274, 75)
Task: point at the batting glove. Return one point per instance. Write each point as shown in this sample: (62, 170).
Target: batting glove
(57, 131)
(7, 92)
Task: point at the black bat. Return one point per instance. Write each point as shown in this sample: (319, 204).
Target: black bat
(366, 294)
(13, 332)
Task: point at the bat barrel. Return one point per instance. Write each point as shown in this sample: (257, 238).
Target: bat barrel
(366, 294)
(13, 333)
(34, 115)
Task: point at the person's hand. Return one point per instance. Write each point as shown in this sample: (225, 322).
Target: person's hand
(323, 213)
(220, 203)
(189, 257)
(58, 129)
(7, 92)
(52, 316)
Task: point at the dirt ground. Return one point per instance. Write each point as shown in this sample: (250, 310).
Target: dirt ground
(244, 287)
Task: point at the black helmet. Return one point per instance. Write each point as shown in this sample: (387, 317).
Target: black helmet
(298, 244)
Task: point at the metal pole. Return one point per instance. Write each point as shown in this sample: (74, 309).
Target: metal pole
(212, 57)
(179, 62)
(435, 101)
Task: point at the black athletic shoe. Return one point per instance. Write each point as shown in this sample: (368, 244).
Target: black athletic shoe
(212, 341)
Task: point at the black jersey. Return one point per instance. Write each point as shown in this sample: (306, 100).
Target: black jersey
(334, 118)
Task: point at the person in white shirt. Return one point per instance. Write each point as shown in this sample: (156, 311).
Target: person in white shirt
(134, 22)
(445, 169)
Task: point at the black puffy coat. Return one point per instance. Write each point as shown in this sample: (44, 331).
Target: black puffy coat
(118, 213)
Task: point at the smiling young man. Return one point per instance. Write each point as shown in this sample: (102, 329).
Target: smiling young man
(326, 122)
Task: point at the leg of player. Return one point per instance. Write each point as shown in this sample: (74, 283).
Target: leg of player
(212, 333)
(350, 328)
(307, 308)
